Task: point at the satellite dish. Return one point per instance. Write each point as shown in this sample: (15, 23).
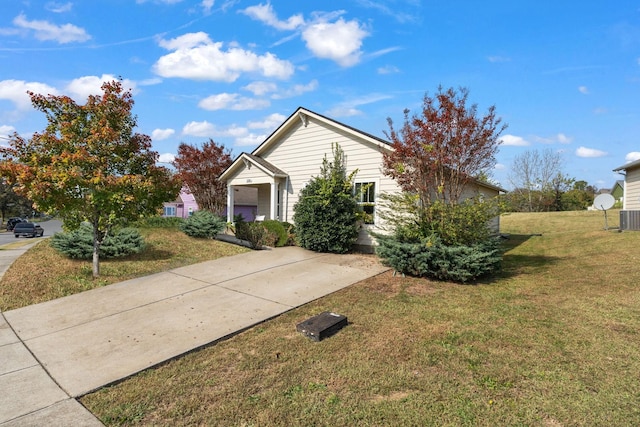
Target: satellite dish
(604, 202)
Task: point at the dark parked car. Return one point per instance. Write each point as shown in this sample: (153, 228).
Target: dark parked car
(12, 222)
(28, 229)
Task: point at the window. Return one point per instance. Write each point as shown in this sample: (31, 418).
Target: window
(366, 196)
(169, 211)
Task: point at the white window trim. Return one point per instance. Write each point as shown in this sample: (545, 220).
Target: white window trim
(376, 183)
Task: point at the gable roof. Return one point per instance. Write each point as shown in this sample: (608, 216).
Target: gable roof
(247, 160)
(303, 115)
(632, 165)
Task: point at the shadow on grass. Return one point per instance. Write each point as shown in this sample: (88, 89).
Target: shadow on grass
(512, 241)
(516, 264)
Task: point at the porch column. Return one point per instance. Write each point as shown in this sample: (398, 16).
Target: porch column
(274, 200)
(230, 190)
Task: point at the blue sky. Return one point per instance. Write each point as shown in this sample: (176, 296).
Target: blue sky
(564, 75)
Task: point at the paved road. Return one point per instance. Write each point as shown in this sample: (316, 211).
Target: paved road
(50, 228)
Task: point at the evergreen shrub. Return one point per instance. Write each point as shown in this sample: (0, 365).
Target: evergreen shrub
(160, 222)
(203, 224)
(277, 228)
(326, 212)
(78, 244)
(430, 258)
(256, 234)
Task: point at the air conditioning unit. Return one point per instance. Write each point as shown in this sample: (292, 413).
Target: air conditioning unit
(629, 220)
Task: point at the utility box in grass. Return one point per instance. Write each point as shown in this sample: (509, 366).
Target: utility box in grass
(322, 326)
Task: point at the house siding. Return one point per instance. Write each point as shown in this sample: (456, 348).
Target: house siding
(632, 190)
(300, 154)
(253, 175)
(294, 154)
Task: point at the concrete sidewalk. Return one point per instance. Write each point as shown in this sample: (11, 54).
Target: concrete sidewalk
(68, 347)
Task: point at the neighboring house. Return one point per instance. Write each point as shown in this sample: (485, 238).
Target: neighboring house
(630, 213)
(618, 190)
(285, 162)
(183, 207)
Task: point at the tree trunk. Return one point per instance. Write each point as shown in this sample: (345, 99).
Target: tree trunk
(97, 241)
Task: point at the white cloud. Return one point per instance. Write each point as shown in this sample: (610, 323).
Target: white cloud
(186, 41)
(500, 167)
(16, 92)
(166, 158)
(209, 130)
(150, 82)
(43, 30)
(58, 7)
(261, 88)
(514, 141)
(196, 56)
(160, 134)
(232, 101)
(349, 108)
(388, 69)
(498, 59)
(296, 90)
(632, 156)
(344, 111)
(79, 89)
(583, 90)
(6, 131)
(207, 5)
(271, 122)
(204, 129)
(339, 41)
(250, 139)
(563, 139)
(590, 152)
(558, 138)
(265, 14)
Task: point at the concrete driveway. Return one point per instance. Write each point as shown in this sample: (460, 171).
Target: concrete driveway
(88, 340)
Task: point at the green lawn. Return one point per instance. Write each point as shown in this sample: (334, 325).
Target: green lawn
(553, 341)
(42, 274)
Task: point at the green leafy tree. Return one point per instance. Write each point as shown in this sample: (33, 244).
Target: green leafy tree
(327, 212)
(12, 203)
(88, 164)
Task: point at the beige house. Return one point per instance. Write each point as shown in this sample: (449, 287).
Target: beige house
(285, 162)
(630, 213)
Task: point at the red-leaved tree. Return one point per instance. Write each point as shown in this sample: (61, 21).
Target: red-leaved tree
(437, 153)
(199, 169)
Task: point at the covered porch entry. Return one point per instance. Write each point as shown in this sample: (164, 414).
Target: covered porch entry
(271, 183)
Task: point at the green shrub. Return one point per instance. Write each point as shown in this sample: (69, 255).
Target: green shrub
(326, 213)
(277, 228)
(256, 234)
(291, 233)
(78, 244)
(433, 259)
(160, 222)
(464, 223)
(203, 224)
